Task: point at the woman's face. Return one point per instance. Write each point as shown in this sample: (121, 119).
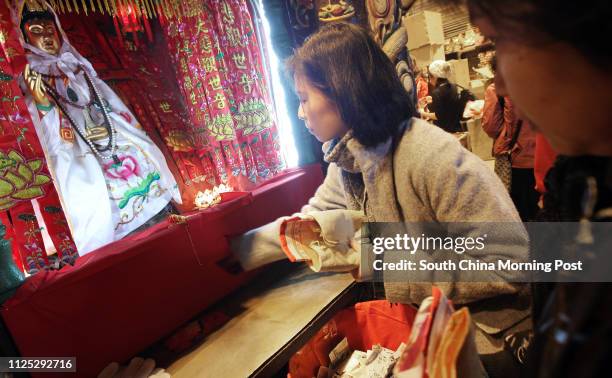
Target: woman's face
(556, 89)
(320, 114)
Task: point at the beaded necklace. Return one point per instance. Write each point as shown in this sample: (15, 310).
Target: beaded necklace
(108, 123)
(70, 101)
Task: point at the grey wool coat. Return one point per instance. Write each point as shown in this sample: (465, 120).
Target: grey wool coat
(425, 175)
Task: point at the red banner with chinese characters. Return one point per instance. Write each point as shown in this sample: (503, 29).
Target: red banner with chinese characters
(24, 176)
(218, 63)
(163, 114)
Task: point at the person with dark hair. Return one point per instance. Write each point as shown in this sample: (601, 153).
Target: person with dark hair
(359, 79)
(394, 167)
(445, 106)
(559, 74)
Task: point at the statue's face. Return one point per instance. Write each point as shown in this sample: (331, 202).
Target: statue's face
(44, 35)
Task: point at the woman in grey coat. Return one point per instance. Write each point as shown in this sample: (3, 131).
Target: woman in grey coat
(395, 168)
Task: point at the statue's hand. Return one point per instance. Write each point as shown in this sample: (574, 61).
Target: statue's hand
(35, 86)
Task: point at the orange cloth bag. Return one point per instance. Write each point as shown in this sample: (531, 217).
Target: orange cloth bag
(364, 325)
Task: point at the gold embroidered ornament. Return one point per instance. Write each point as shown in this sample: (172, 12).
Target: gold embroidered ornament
(33, 6)
(180, 141)
(20, 179)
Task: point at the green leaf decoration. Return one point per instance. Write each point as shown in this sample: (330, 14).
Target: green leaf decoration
(15, 179)
(35, 165)
(27, 217)
(15, 156)
(25, 171)
(5, 77)
(29, 193)
(141, 190)
(53, 209)
(6, 163)
(6, 188)
(41, 180)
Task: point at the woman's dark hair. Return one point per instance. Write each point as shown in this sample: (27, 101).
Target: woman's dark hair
(440, 81)
(347, 65)
(577, 23)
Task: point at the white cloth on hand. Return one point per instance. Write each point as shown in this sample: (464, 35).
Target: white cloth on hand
(331, 248)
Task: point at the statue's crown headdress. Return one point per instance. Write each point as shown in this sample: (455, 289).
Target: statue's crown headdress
(32, 9)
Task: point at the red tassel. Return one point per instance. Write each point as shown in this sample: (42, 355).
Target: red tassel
(134, 21)
(118, 31)
(148, 29)
(160, 15)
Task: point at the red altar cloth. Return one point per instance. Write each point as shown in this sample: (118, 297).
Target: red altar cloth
(122, 298)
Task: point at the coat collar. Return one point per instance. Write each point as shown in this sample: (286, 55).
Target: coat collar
(354, 157)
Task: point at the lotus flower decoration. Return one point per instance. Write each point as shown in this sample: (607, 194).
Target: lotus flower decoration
(20, 179)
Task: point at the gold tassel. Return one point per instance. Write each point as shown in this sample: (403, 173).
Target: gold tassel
(159, 8)
(159, 5)
(100, 8)
(121, 8)
(176, 9)
(148, 8)
(169, 8)
(68, 7)
(156, 8)
(131, 5)
(84, 7)
(135, 8)
(76, 6)
(114, 7)
(61, 5)
(141, 9)
(183, 8)
(108, 8)
(166, 9)
(52, 2)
